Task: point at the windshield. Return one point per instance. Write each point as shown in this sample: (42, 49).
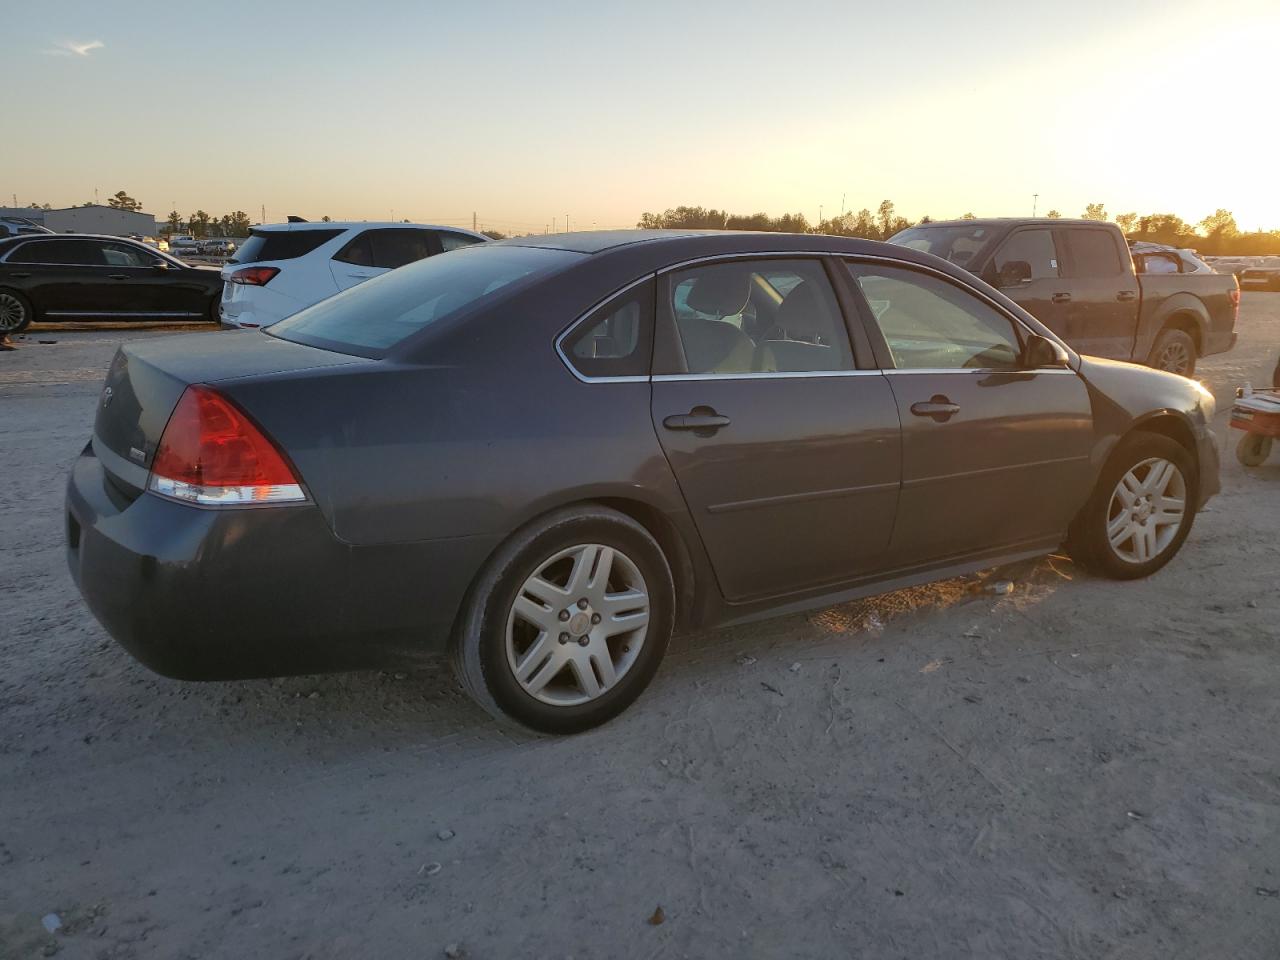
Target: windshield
(958, 243)
(370, 319)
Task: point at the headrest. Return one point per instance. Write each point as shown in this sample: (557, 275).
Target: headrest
(802, 312)
(721, 291)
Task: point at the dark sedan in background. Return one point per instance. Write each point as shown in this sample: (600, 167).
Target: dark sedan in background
(83, 277)
(542, 456)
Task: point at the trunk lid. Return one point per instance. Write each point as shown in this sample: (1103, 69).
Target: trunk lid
(147, 378)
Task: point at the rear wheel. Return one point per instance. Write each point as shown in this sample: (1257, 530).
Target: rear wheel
(1141, 510)
(1174, 351)
(15, 312)
(568, 622)
(1253, 449)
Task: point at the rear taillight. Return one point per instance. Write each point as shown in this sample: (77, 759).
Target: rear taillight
(254, 276)
(211, 453)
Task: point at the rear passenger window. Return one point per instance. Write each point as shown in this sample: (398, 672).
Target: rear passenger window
(73, 252)
(388, 248)
(617, 339)
(1094, 253)
(774, 316)
(282, 244)
(452, 241)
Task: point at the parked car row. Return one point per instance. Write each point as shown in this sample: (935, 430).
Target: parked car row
(543, 456)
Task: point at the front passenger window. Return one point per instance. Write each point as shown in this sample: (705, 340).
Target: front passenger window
(931, 324)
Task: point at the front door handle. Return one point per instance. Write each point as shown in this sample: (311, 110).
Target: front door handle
(1124, 296)
(938, 407)
(117, 276)
(702, 420)
(19, 276)
(1061, 298)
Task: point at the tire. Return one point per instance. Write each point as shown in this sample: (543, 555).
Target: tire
(561, 650)
(15, 312)
(1175, 352)
(1150, 544)
(1253, 449)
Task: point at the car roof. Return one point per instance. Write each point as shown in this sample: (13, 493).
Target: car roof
(1010, 221)
(353, 224)
(679, 243)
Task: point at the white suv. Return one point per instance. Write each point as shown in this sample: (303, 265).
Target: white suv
(284, 267)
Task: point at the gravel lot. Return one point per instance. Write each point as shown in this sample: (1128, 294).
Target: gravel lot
(1079, 769)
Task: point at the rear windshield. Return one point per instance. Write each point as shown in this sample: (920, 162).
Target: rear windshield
(958, 243)
(281, 244)
(370, 319)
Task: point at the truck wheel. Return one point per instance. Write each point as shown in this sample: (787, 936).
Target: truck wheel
(1253, 449)
(1174, 351)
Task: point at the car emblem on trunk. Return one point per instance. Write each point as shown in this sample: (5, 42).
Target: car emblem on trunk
(107, 394)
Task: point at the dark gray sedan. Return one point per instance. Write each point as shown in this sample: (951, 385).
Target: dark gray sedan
(545, 455)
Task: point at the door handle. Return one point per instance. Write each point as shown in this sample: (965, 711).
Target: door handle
(117, 276)
(938, 407)
(1124, 296)
(19, 276)
(698, 419)
(1061, 298)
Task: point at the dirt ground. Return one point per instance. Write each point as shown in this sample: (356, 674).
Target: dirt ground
(1080, 769)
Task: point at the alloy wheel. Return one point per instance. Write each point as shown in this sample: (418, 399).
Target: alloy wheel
(577, 625)
(12, 313)
(1147, 509)
(1174, 358)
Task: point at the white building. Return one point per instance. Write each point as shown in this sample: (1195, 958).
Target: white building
(97, 219)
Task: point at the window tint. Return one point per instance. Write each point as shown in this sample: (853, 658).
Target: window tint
(616, 340)
(775, 316)
(388, 248)
(123, 255)
(1032, 247)
(374, 316)
(958, 243)
(281, 244)
(452, 241)
(79, 252)
(1094, 253)
(930, 324)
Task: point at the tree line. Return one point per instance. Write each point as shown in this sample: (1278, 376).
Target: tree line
(1216, 235)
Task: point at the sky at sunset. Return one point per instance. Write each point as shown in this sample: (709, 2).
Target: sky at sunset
(523, 112)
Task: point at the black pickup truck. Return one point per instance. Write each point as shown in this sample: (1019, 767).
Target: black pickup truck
(1079, 278)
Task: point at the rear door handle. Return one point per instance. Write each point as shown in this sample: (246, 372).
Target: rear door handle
(117, 276)
(694, 420)
(938, 407)
(1061, 298)
(1124, 296)
(19, 276)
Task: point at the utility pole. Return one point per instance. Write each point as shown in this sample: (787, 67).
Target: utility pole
(842, 196)
(473, 221)
(566, 223)
(264, 214)
(819, 214)
(1035, 202)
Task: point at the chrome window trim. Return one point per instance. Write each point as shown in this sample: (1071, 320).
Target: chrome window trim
(121, 313)
(987, 371)
(799, 254)
(766, 375)
(582, 317)
(151, 251)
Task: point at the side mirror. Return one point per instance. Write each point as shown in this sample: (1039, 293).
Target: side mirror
(1043, 352)
(1013, 273)
(160, 266)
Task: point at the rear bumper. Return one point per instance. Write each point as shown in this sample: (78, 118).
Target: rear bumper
(1219, 342)
(210, 594)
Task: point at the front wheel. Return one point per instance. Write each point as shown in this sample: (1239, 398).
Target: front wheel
(1141, 511)
(1175, 352)
(15, 312)
(568, 622)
